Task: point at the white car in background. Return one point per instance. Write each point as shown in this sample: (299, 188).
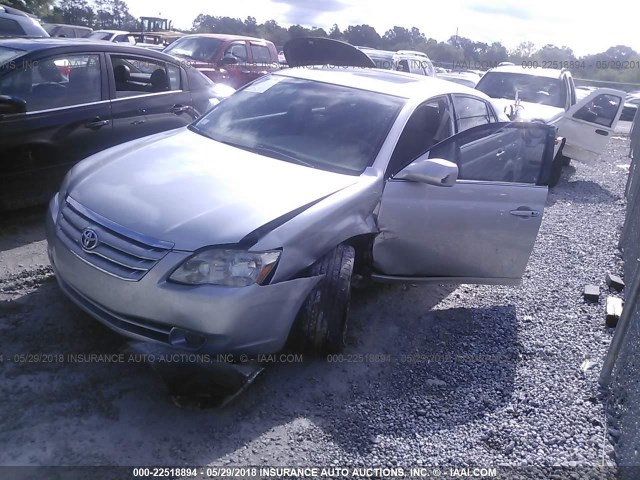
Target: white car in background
(119, 36)
(548, 95)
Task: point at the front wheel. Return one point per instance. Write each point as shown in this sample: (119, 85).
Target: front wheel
(321, 325)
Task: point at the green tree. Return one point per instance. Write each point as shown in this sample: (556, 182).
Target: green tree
(362, 35)
(40, 8)
(335, 32)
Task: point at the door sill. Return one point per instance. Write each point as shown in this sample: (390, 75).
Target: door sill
(377, 277)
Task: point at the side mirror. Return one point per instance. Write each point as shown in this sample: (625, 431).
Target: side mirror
(432, 171)
(228, 61)
(9, 105)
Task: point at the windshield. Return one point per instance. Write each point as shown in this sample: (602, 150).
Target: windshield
(530, 88)
(320, 125)
(100, 36)
(8, 54)
(202, 49)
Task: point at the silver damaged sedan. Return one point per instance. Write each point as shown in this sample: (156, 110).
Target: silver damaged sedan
(242, 233)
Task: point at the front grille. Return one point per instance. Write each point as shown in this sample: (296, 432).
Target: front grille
(120, 252)
(138, 326)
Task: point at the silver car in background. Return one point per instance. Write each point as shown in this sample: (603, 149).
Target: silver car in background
(242, 232)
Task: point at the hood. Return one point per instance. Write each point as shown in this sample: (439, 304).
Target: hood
(184, 188)
(307, 51)
(531, 111)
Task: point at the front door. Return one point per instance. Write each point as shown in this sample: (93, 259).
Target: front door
(589, 124)
(481, 230)
(68, 118)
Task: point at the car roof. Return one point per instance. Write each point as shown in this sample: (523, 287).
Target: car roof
(113, 32)
(13, 11)
(223, 36)
(535, 71)
(389, 82)
(35, 44)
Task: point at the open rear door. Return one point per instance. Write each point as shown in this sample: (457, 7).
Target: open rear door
(589, 124)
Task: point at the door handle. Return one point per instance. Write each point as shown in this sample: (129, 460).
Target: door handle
(500, 153)
(525, 213)
(97, 123)
(179, 109)
(602, 132)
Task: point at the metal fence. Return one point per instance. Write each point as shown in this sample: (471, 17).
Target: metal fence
(621, 370)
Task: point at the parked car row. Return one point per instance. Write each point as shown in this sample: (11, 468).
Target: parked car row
(62, 100)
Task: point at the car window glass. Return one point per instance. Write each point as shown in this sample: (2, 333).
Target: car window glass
(601, 110)
(67, 32)
(498, 152)
(10, 27)
(173, 72)
(100, 36)
(529, 88)
(261, 54)
(135, 75)
(55, 82)
(470, 112)
(237, 51)
(202, 49)
(326, 126)
(429, 124)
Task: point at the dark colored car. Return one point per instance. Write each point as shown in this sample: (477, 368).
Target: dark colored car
(16, 23)
(67, 31)
(62, 100)
(230, 59)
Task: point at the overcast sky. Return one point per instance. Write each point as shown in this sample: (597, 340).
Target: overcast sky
(583, 26)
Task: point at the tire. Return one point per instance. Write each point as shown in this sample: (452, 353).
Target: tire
(321, 325)
(566, 161)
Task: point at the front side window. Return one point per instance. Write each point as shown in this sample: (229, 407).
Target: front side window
(237, 51)
(201, 49)
(324, 126)
(528, 88)
(500, 152)
(470, 112)
(601, 110)
(429, 124)
(140, 75)
(55, 82)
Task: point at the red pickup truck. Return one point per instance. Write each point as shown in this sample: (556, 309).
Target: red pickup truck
(230, 59)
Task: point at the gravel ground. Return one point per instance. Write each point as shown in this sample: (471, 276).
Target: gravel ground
(433, 375)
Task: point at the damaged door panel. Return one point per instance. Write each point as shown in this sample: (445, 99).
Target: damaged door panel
(482, 230)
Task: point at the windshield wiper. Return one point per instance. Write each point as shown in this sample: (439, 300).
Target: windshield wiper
(277, 153)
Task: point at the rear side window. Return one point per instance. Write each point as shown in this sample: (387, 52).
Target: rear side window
(470, 112)
(10, 28)
(140, 75)
(261, 54)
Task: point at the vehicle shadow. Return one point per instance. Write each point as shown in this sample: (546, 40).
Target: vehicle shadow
(408, 369)
(22, 227)
(580, 191)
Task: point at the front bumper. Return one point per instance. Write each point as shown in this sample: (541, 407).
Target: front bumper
(236, 320)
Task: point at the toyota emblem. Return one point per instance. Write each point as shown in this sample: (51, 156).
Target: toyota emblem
(89, 239)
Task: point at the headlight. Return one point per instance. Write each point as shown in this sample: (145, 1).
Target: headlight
(220, 90)
(232, 268)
